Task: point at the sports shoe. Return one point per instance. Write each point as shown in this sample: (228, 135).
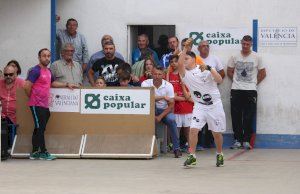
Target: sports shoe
(191, 160)
(34, 155)
(170, 147)
(236, 145)
(220, 160)
(47, 156)
(247, 146)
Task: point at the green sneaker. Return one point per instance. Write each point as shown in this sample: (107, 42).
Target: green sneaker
(170, 147)
(220, 160)
(34, 155)
(47, 156)
(191, 160)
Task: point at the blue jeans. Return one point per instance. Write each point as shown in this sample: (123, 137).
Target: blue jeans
(169, 120)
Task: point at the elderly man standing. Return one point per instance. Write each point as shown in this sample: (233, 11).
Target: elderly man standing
(67, 70)
(143, 49)
(246, 71)
(215, 62)
(209, 59)
(8, 87)
(70, 35)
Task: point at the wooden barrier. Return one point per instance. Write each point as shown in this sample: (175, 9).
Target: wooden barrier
(91, 135)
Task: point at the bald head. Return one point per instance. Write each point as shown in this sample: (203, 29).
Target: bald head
(9, 69)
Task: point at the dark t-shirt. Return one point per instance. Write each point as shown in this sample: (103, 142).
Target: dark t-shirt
(107, 69)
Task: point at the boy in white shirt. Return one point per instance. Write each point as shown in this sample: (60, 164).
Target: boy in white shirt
(202, 83)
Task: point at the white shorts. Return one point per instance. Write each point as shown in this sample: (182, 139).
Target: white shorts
(213, 116)
(183, 120)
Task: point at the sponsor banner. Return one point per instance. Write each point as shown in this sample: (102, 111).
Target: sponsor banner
(64, 100)
(115, 101)
(219, 38)
(277, 36)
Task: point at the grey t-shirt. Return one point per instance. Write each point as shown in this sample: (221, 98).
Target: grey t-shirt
(245, 70)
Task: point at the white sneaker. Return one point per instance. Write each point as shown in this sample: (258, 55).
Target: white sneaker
(247, 145)
(236, 145)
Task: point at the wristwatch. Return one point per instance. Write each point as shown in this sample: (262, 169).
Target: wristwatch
(208, 67)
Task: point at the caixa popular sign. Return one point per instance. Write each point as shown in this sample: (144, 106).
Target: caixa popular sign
(277, 36)
(220, 38)
(115, 101)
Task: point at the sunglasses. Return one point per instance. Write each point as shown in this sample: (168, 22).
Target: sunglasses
(8, 74)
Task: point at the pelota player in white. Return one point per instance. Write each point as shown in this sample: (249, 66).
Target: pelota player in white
(202, 82)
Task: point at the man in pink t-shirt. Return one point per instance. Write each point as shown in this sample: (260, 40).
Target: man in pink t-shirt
(37, 87)
(8, 88)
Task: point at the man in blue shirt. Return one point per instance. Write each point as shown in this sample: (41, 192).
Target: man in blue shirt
(174, 46)
(143, 49)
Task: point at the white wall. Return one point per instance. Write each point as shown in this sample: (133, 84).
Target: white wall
(25, 29)
(278, 104)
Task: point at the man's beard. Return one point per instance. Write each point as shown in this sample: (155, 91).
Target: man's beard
(45, 63)
(108, 55)
(8, 80)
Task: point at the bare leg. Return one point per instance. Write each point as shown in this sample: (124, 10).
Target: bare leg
(193, 139)
(186, 132)
(218, 137)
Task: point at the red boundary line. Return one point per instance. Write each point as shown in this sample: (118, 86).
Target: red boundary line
(236, 155)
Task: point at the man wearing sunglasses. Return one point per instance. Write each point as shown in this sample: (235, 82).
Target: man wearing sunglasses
(8, 88)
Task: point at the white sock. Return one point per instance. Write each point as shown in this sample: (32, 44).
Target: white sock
(219, 153)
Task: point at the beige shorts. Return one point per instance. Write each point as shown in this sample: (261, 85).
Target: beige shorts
(183, 120)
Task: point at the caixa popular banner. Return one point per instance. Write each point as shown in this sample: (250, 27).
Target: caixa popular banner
(115, 101)
(219, 38)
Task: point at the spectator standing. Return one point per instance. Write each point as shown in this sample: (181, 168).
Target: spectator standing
(70, 35)
(37, 87)
(246, 71)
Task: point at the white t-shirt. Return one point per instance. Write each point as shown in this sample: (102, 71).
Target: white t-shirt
(166, 89)
(202, 86)
(245, 70)
(214, 62)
